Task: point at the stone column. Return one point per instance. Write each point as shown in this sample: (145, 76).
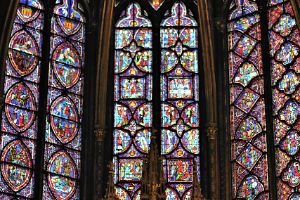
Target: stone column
(208, 54)
(99, 162)
(101, 95)
(211, 131)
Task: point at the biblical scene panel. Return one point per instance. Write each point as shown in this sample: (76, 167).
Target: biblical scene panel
(247, 104)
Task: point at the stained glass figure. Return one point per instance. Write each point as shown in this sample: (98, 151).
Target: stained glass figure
(21, 101)
(284, 52)
(247, 104)
(132, 99)
(65, 101)
(180, 137)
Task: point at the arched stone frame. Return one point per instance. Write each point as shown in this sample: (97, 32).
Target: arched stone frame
(9, 9)
(296, 5)
(101, 98)
(225, 144)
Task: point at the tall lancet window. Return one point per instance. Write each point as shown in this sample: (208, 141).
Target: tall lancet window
(43, 93)
(180, 100)
(265, 137)
(284, 44)
(132, 98)
(21, 90)
(64, 102)
(156, 87)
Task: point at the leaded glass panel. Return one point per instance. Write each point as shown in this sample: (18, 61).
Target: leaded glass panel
(21, 102)
(247, 102)
(180, 117)
(62, 157)
(132, 99)
(285, 61)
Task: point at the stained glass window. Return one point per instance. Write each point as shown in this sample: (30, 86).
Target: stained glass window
(65, 102)
(132, 99)
(21, 102)
(156, 4)
(247, 118)
(134, 70)
(248, 84)
(180, 100)
(285, 68)
(20, 122)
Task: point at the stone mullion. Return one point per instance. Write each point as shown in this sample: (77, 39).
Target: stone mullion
(101, 98)
(99, 162)
(208, 55)
(212, 132)
(296, 6)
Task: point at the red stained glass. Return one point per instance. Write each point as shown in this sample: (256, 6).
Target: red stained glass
(21, 93)
(65, 102)
(285, 81)
(284, 47)
(132, 99)
(247, 116)
(180, 135)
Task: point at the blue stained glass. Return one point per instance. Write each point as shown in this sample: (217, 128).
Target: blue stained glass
(132, 99)
(180, 117)
(284, 49)
(65, 102)
(247, 106)
(21, 92)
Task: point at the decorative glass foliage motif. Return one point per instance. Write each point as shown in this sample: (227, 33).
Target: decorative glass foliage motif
(180, 137)
(21, 100)
(65, 102)
(156, 3)
(247, 104)
(132, 99)
(285, 61)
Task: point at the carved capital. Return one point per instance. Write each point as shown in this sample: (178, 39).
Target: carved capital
(99, 134)
(212, 131)
(220, 24)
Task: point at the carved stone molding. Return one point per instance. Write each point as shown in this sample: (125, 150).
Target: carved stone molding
(99, 134)
(103, 62)
(212, 131)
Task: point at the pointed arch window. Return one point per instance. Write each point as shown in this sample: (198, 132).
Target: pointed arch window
(156, 86)
(40, 150)
(264, 103)
(132, 98)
